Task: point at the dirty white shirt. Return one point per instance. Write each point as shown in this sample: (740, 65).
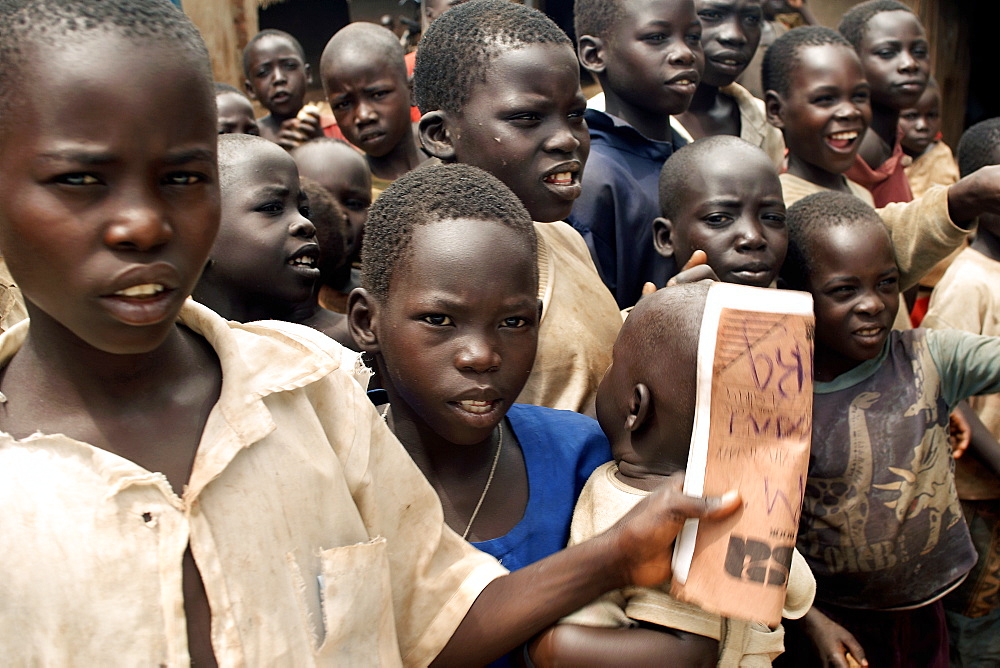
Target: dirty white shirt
(318, 540)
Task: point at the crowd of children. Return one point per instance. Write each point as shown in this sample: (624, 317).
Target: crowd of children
(193, 472)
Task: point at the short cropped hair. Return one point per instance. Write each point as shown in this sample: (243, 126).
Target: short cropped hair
(682, 164)
(332, 230)
(979, 146)
(222, 88)
(820, 211)
(427, 195)
(782, 57)
(597, 18)
(50, 23)
(458, 48)
(854, 22)
(269, 32)
(368, 36)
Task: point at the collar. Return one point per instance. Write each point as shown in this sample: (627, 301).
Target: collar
(621, 135)
(859, 373)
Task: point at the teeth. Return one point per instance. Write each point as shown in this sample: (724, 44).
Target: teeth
(844, 136)
(562, 178)
(476, 406)
(871, 331)
(728, 61)
(683, 82)
(304, 261)
(144, 290)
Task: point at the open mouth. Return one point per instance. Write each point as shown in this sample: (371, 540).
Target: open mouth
(871, 334)
(843, 141)
(685, 83)
(144, 291)
(306, 260)
(477, 407)
(564, 180)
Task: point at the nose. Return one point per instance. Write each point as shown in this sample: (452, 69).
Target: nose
(921, 123)
(366, 112)
(278, 75)
(681, 54)
(847, 110)
(907, 63)
(139, 223)
(870, 304)
(563, 140)
(751, 235)
(478, 353)
(731, 34)
(301, 226)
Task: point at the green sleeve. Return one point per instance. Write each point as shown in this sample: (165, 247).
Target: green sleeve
(969, 364)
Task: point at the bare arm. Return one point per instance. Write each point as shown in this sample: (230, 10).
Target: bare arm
(573, 645)
(637, 550)
(981, 442)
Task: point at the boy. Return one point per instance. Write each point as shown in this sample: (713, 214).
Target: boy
(500, 89)
(928, 160)
(254, 506)
(365, 80)
(265, 261)
(818, 96)
(277, 76)
(343, 171)
(721, 195)
(895, 58)
(448, 309)
(730, 32)
(881, 524)
(647, 56)
(967, 298)
(646, 408)
(235, 111)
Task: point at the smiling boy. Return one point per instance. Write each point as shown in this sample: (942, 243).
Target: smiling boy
(500, 89)
(365, 80)
(647, 56)
(730, 33)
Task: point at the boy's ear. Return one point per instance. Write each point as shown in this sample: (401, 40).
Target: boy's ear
(590, 51)
(663, 230)
(362, 320)
(774, 107)
(309, 74)
(638, 407)
(249, 90)
(434, 135)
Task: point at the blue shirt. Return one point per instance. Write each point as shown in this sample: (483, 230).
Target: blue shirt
(619, 202)
(561, 449)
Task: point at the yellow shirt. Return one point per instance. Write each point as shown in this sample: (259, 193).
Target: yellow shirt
(318, 540)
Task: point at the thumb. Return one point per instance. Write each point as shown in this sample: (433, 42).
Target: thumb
(648, 288)
(698, 257)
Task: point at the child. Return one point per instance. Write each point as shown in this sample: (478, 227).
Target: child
(929, 161)
(647, 56)
(646, 408)
(226, 492)
(277, 76)
(881, 524)
(449, 311)
(967, 298)
(895, 58)
(499, 87)
(235, 111)
(776, 23)
(730, 32)
(365, 80)
(818, 96)
(343, 171)
(721, 195)
(265, 261)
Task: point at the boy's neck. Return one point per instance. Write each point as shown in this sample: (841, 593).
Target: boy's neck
(878, 143)
(639, 475)
(816, 175)
(711, 113)
(404, 157)
(651, 125)
(988, 244)
(250, 307)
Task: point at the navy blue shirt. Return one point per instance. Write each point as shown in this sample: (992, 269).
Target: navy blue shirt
(620, 199)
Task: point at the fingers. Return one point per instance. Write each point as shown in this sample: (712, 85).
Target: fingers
(674, 505)
(701, 272)
(856, 652)
(648, 288)
(698, 257)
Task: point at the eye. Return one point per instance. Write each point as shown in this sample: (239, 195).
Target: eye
(861, 97)
(823, 100)
(340, 104)
(290, 64)
(183, 179)
(77, 179)
(888, 282)
(885, 53)
(270, 208)
(655, 37)
(710, 15)
(752, 19)
(920, 51)
(909, 116)
(718, 219)
(380, 94)
(438, 319)
(693, 38)
(514, 322)
(774, 219)
(525, 118)
(253, 130)
(356, 204)
(305, 210)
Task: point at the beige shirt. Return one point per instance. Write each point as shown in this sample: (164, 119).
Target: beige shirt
(580, 322)
(318, 540)
(922, 231)
(754, 127)
(968, 298)
(604, 500)
(12, 309)
(935, 167)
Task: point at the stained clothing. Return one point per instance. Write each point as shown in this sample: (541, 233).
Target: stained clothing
(619, 202)
(318, 540)
(881, 524)
(887, 182)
